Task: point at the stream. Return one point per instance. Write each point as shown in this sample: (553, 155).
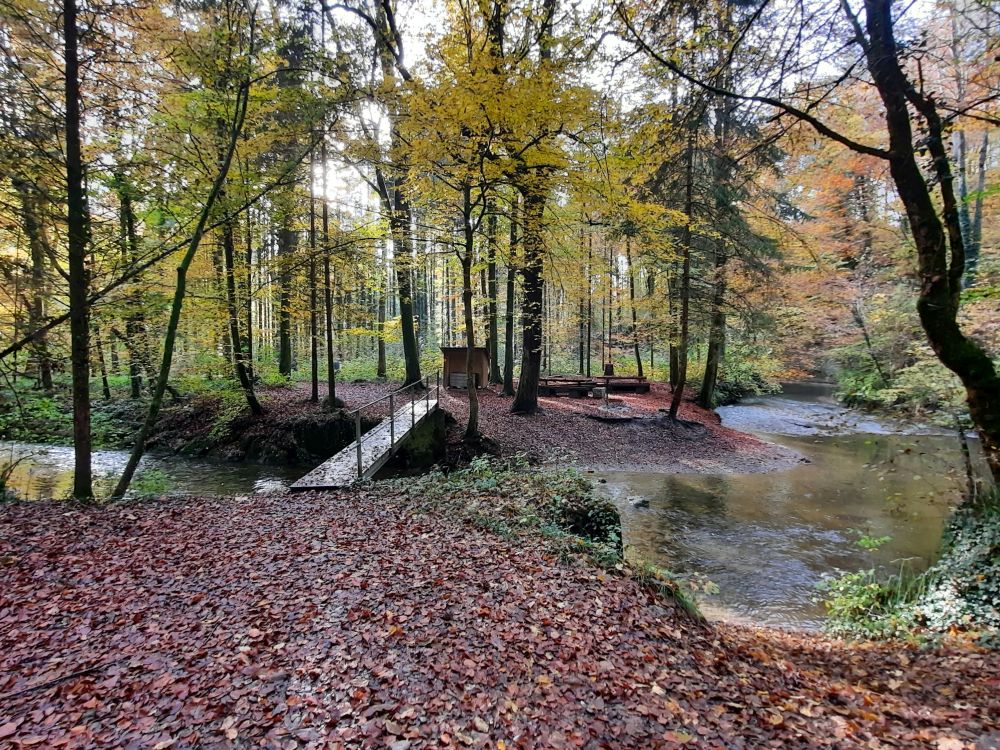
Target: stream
(45, 472)
(766, 540)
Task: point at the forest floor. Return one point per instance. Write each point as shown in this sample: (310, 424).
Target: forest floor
(563, 433)
(354, 620)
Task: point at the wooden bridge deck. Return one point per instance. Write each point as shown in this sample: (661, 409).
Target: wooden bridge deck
(376, 449)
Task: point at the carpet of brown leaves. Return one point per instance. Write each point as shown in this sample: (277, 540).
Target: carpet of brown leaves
(563, 433)
(344, 620)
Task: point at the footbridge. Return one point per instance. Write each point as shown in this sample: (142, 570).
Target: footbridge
(407, 408)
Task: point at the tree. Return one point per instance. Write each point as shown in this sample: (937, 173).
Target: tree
(79, 278)
(242, 25)
(907, 106)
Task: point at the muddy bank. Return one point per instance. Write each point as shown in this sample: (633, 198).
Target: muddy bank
(566, 432)
(291, 430)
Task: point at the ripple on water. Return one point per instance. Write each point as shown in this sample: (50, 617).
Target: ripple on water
(767, 540)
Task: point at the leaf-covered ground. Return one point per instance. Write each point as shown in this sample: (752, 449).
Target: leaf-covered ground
(346, 620)
(562, 432)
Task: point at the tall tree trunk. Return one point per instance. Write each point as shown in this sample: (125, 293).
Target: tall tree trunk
(508, 341)
(491, 294)
(248, 290)
(383, 273)
(685, 290)
(313, 291)
(287, 239)
(940, 248)
(38, 250)
(397, 206)
(717, 327)
(389, 51)
(232, 310)
(331, 372)
(631, 298)
(673, 360)
(526, 397)
(79, 277)
(472, 427)
(170, 338)
(590, 300)
(135, 320)
(508, 344)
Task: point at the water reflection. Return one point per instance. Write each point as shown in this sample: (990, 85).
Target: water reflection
(767, 539)
(45, 472)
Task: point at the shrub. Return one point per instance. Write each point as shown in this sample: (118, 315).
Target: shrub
(960, 592)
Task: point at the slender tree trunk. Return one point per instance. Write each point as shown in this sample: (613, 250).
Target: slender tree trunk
(135, 320)
(249, 298)
(400, 221)
(508, 340)
(38, 250)
(631, 297)
(590, 301)
(79, 277)
(685, 290)
(673, 360)
(526, 397)
(491, 294)
(383, 272)
(331, 372)
(313, 292)
(287, 239)
(717, 328)
(232, 309)
(472, 427)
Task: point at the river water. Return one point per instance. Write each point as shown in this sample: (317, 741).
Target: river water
(45, 472)
(766, 540)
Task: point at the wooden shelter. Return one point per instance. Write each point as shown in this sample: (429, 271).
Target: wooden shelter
(454, 366)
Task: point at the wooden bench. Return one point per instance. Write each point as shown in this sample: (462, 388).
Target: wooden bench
(624, 383)
(557, 386)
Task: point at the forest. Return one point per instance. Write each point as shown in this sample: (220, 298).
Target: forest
(234, 234)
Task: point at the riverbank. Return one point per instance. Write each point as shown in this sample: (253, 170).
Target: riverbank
(212, 422)
(565, 432)
(358, 619)
(295, 431)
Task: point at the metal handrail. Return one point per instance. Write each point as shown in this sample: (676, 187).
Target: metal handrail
(391, 398)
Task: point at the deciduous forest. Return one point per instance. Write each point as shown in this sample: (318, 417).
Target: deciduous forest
(498, 373)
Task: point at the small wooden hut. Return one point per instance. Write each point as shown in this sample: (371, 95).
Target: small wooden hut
(454, 366)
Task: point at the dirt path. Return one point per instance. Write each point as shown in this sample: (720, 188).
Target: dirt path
(342, 620)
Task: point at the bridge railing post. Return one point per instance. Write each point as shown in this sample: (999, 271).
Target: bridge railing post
(357, 435)
(413, 411)
(392, 420)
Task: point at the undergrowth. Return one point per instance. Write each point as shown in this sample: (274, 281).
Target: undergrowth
(960, 593)
(509, 498)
